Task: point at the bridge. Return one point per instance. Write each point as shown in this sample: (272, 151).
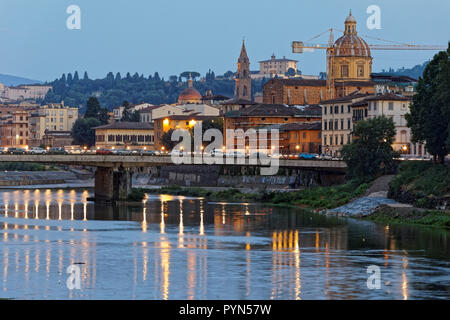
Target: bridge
(113, 176)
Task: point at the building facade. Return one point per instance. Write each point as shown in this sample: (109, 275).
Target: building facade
(174, 122)
(276, 67)
(125, 135)
(53, 117)
(265, 115)
(338, 119)
(14, 130)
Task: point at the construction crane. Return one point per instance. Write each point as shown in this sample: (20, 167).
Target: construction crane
(301, 47)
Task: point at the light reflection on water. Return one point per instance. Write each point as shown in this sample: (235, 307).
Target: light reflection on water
(183, 248)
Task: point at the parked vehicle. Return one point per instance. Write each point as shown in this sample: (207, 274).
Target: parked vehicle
(17, 151)
(37, 150)
(3, 150)
(147, 152)
(73, 150)
(122, 152)
(57, 150)
(235, 154)
(104, 151)
(325, 157)
(307, 156)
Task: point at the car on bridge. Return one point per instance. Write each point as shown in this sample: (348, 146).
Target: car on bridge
(57, 150)
(3, 150)
(308, 156)
(37, 150)
(17, 151)
(104, 151)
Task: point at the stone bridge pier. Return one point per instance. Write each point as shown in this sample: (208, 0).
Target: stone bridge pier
(112, 184)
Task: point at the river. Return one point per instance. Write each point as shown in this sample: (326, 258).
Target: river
(185, 248)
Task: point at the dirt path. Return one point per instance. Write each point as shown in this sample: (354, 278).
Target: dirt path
(379, 188)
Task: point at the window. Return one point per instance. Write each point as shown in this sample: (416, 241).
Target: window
(324, 110)
(342, 124)
(344, 71)
(349, 123)
(360, 70)
(391, 106)
(342, 139)
(325, 125)
(336, 125)
(331, 125)
(331, 109)
(342, 109)
(304, 135)
(375, 106)
(337, 139)
(324, 140)
(348, 109)
(336, 109)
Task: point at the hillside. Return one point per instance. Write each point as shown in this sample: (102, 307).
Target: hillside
(414, 72)
(112, 90)
(9, 80)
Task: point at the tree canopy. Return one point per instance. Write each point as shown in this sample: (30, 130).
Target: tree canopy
(429, 117)
(83, 133)
(371, 151)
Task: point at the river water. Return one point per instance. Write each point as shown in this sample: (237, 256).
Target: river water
(184, 248)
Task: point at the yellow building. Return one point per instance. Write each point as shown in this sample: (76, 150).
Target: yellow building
(350, 61)
(55, 117)
(174, 122)
(125, 135)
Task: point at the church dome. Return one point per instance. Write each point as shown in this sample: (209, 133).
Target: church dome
(350, 44)
(189, 95)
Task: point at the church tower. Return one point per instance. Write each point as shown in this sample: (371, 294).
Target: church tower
(243, 80)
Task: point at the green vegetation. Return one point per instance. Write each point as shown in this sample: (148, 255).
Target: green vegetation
(313, 198)
(428, 218)
(429, 118)
(421, 184)
(83, 132)
(22, 166)
(136, 194)
(371, 153)
(112, 90)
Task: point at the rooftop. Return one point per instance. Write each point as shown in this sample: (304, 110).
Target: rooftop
(128, 126)
(276, 110)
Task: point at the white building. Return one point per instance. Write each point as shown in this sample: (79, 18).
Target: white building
(396, 107)
(276, 67)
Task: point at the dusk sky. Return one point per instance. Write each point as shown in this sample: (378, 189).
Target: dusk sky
(172, 36)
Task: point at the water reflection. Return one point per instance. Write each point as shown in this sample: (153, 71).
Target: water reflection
(182, 248)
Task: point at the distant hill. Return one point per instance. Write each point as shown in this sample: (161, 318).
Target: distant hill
(9, 80)
(414, 72)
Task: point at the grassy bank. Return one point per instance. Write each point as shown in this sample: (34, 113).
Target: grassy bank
(413, 216)
(22, 166)
(422, 184)
(311, 198)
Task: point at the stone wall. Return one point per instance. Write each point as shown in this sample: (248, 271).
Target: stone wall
(215, 176)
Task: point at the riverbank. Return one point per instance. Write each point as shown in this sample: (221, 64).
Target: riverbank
(315, 199)
(410, 215)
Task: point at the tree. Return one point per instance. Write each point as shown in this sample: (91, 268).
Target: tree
(429, 117)
(193, 74)
(291, 72)
(166, 140)
(92, 108)
(371, 151)
(130, 116)
(83, 133)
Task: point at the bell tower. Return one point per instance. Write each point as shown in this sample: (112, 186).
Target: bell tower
(243, 80)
